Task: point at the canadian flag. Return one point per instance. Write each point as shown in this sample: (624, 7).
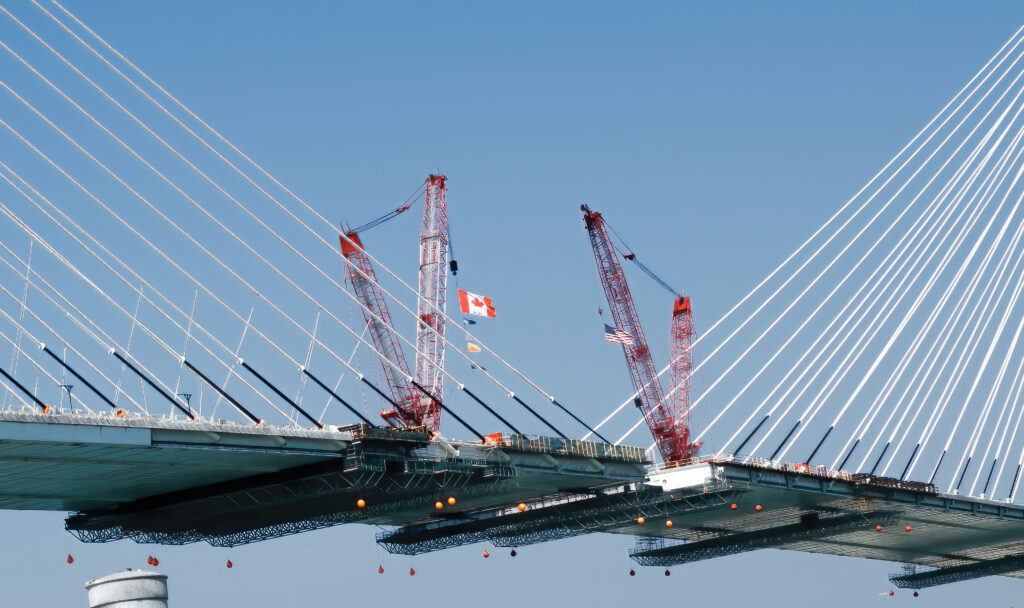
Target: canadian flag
(473, 304)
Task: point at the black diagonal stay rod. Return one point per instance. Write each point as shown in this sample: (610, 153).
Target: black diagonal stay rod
(27, 392)
(336, 396)
(221, 391)
(284, 397)
(539, 417)
(153, 385)
(401, 410)
(447, 409)
(577, 419)
(494, 413)
(89, 385)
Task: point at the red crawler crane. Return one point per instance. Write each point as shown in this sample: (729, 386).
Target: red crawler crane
(664, 418)
(414, 408)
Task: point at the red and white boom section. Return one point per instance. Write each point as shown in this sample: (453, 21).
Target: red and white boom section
(412, 407)
(432, 302)
(665, 418)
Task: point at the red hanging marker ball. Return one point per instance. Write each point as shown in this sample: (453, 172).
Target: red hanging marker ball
(915, 594)
(487, 553)
(451, 500)
(891, 592)
(522, 506)
(667, 573)
(380, 569)
(156, 562)
(513, 554)
(360, 503)
(878, 527)
(632, 572)
(640, 520)
(71, 560)
(668, 524)
(734, 506)
(439, 505)
(149, 560)
(757, 508)
(908, 528)
(229, 564)
(412, 572)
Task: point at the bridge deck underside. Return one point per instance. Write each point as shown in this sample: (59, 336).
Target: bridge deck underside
(945, 530)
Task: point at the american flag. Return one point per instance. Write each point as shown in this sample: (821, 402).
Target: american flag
(616, 335)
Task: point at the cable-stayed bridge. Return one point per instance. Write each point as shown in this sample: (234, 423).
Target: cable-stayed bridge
(190, 355)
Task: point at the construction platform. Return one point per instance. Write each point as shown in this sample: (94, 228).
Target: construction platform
(174, 482)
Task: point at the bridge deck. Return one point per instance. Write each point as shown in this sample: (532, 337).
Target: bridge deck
(175, 482)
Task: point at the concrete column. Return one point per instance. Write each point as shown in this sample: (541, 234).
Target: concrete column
(128, 589)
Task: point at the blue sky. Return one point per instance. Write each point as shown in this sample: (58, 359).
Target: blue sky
(716, 138)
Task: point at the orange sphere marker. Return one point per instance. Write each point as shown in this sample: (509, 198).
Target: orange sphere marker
(878, 527)
(757, 508)
(668, 524)
(451, 500)
(522, 506)
(640, 520)
(487, 553)
(734, 506)
(908, 528)
(360, 503)
(439, 505)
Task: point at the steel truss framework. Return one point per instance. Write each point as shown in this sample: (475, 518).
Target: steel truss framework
(810, 526)
(555, 518)
(298, 500)
(956, 574)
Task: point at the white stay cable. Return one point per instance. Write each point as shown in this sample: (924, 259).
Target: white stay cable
(917, 302)
(1016, 382)
(885, 273)
(937, 349)
(326, 222)
(891, 162)
(198, 245)
(35, 363)
(952, 322)
(966, 354)
(928, 211)
(1013, 436)
(865, 336)
(77, 272)
(986, 410)
(923, 190)
(985, 191)
(20, 325)
(988, 355)
(332, 248)
(80, 319)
